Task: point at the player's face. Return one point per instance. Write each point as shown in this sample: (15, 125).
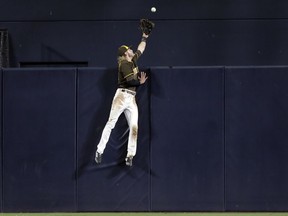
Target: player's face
(130, 53)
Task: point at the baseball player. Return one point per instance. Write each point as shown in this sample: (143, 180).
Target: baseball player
(129, 78)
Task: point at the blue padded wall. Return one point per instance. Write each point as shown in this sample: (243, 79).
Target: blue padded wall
(110, 186)
(210, 139)
(187, 139)
(256, 139)
(39, 140)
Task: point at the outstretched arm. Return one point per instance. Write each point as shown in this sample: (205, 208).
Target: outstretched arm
(142, 44)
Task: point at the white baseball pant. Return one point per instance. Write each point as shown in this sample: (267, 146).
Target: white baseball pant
(123, 101)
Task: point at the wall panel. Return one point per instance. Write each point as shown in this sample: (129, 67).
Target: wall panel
(39, 140)
(111, 185)
(187, 139)
(256, 139)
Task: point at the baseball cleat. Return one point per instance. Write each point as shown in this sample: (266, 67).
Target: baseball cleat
(98, 158)
(129, 161)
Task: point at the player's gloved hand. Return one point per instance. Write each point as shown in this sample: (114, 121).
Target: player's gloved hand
(146, 26)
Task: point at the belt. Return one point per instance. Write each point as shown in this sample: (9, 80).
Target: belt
(129, 91)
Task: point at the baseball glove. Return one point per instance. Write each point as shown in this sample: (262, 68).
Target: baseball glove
(146, 26)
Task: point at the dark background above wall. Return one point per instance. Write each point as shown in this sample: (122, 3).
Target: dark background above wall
(12, 10)
(197, 33)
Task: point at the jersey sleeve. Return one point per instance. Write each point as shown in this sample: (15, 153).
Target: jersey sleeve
(137, 55)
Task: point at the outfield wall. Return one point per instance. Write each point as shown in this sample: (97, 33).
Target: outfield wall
(210, 139)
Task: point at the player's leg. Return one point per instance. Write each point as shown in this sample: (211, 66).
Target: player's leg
(131, 114)
(116, 110)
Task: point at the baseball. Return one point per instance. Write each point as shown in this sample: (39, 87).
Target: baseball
(153, 9)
